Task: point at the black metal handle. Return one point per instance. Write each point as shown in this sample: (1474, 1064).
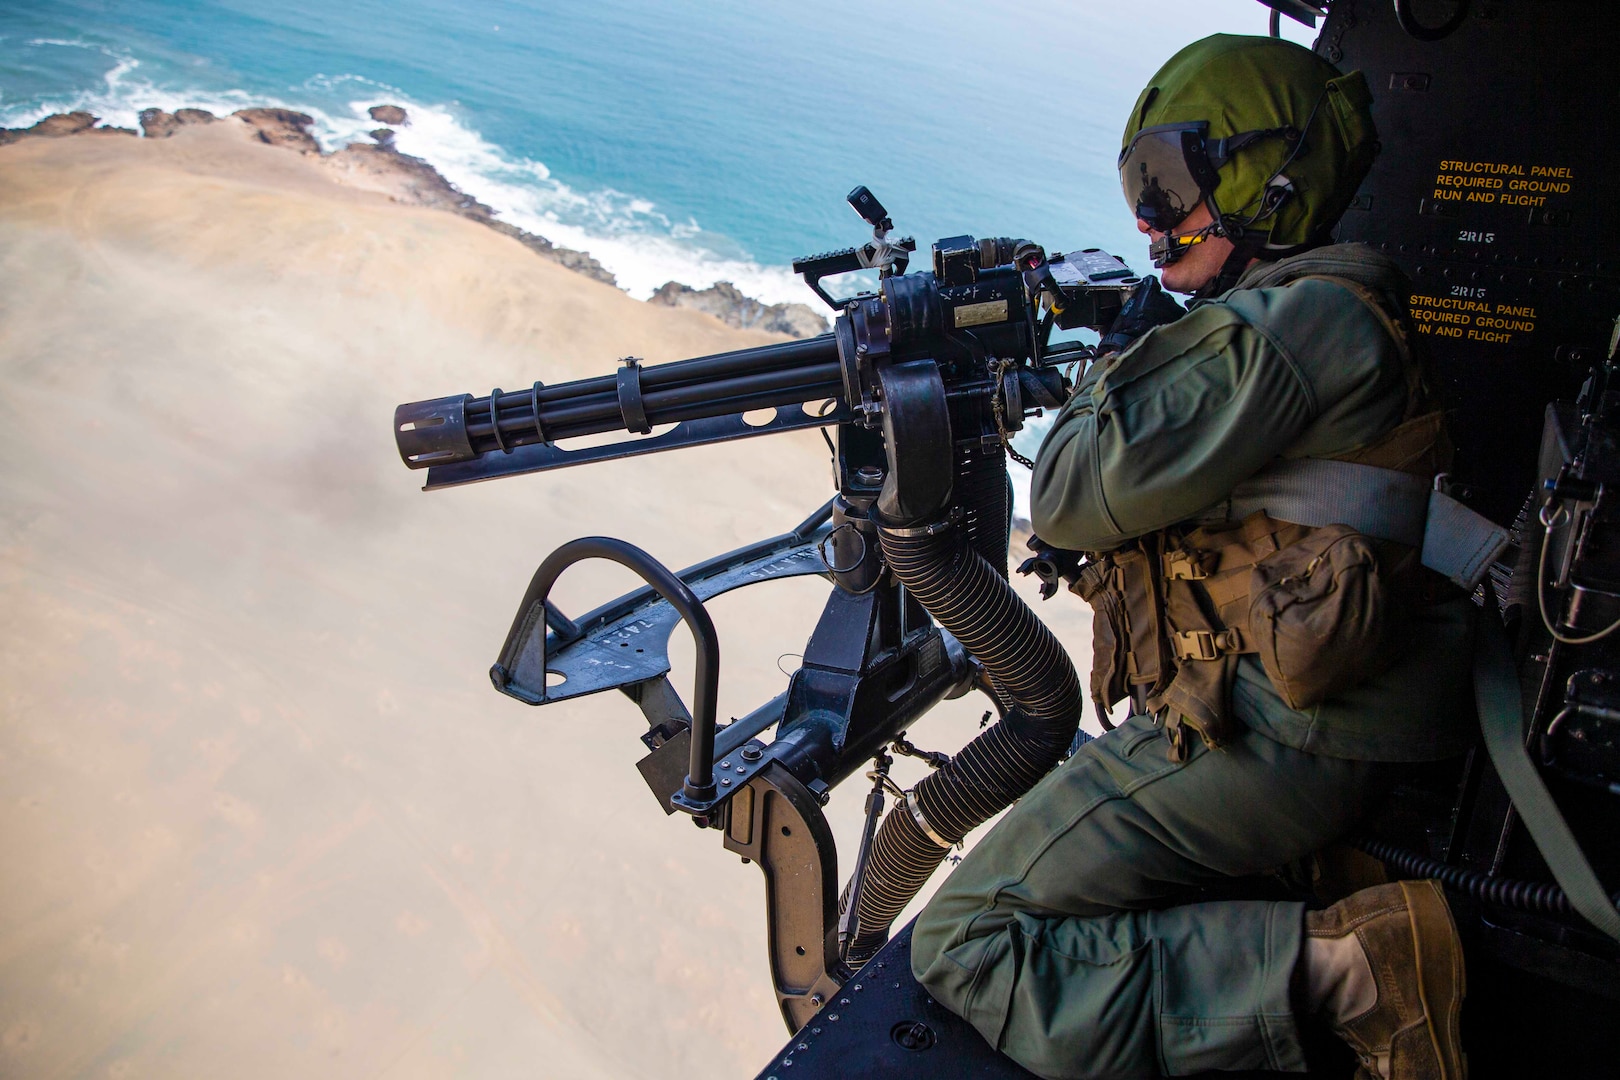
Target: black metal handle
(699, 784)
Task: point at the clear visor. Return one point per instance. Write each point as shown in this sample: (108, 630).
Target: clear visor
(1165, 172)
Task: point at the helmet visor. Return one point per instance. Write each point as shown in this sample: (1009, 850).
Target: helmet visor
(1166, 173)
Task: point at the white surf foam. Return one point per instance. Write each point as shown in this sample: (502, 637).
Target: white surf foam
(629, 235)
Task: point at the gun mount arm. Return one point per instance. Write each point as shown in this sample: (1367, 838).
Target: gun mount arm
(533, 611)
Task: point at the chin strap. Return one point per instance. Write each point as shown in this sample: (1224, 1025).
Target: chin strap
(1244, 251)
(1249, 244)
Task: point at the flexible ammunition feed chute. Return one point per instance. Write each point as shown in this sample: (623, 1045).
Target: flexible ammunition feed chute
(924, 380)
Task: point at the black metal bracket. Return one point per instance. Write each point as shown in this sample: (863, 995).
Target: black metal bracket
(630, 404)
(533, 611)
(874, 663)
(542, 457)
(777, 822)
(625, 642)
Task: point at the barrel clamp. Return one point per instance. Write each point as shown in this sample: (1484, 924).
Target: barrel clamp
(631, 406)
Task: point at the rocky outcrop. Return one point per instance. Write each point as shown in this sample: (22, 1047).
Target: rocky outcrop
(281, 127)
(384, 136)
(157, 124)
(388, 114)
(403, 178)
(60, 125)
(412, 181)
(727, 303)
(578, 261)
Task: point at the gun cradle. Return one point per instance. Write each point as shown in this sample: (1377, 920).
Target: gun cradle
(874, 664)
(924, 382)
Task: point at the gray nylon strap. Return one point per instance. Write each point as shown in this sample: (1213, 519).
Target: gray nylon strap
(1460, 543)
(1382, 503)
(1501, 718)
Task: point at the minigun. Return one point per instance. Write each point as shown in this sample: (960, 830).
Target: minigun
(924, 380)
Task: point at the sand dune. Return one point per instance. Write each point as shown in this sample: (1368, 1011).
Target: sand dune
(262, 813)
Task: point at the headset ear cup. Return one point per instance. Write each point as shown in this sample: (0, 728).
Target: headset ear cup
(1278, 192)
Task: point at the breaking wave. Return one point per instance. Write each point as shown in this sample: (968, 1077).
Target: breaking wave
(629, 235)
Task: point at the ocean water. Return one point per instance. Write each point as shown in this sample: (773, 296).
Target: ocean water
(693, 142)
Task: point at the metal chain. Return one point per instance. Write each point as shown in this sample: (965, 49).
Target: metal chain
(998, 405)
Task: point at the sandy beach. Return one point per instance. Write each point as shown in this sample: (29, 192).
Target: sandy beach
(263, 814)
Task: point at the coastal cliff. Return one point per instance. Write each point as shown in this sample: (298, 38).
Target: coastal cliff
(382, 168)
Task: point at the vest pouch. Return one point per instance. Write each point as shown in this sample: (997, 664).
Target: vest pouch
(1319, 615)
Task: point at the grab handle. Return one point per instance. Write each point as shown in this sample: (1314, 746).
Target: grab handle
(699, 786)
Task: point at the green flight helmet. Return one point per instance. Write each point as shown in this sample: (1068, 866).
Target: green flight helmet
(1272, 135)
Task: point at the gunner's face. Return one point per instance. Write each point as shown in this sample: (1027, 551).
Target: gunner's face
(1201, 263)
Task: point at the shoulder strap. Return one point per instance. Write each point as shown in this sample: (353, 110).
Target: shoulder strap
(1396, 327)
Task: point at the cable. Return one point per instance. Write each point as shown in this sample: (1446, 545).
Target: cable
(1540, 898)
(1548, 522)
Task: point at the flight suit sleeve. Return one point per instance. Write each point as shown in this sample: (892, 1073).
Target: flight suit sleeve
(1169, 426)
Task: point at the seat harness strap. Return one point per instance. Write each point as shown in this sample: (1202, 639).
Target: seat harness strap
(1384, 503)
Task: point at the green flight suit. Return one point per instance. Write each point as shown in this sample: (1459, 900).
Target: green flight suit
(1056, 936)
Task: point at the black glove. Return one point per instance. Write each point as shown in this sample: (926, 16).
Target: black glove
(1149, 306)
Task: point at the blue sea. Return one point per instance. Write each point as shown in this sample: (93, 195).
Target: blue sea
(674, 141)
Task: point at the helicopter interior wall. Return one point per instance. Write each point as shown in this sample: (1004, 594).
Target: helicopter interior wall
(1496, 190)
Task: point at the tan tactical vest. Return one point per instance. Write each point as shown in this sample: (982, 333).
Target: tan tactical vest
(1175, 609)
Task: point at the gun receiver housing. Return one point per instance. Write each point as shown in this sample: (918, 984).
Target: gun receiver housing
(977, 306)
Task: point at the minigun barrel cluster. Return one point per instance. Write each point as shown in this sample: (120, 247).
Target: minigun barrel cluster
(460, 428)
